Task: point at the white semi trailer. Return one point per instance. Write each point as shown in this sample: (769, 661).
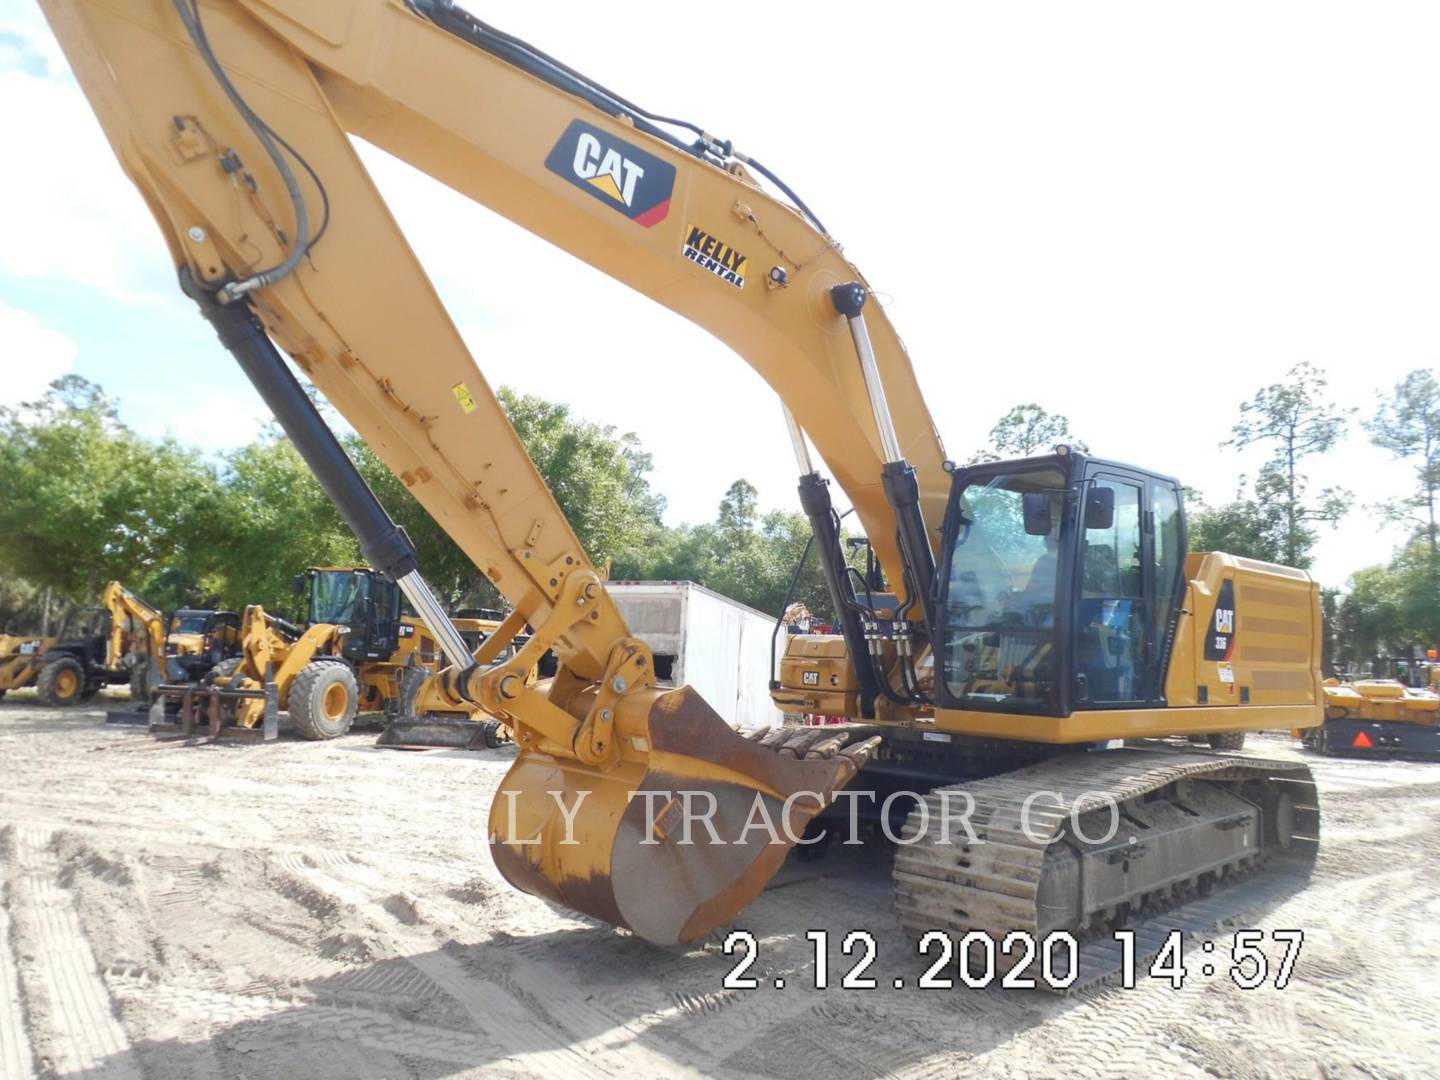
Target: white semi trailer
(708, 641)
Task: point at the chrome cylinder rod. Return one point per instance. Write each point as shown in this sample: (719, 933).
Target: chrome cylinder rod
(428, 608)
(849, 300)
(797, 441)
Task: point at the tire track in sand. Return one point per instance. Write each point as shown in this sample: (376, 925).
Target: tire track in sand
(15, 1057)
(83, 1035)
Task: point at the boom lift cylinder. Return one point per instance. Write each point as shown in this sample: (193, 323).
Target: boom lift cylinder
(902, 490)
(382, 542)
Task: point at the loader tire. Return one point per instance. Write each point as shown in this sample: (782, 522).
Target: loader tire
(1227, 740)
(61, 682)
(324, 699)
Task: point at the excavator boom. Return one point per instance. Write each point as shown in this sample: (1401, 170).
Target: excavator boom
(233, 120)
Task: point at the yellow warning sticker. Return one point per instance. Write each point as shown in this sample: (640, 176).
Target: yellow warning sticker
(464, 397)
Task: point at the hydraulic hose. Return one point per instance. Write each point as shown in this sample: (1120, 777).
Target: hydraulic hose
(190, 16)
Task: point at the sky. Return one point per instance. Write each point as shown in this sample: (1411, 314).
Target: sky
(1134, 214)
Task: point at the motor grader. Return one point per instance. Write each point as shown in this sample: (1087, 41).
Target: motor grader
(1037, 614)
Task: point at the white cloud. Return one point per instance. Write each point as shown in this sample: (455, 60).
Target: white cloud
(66, 208)
(31, 355)
(218, 422)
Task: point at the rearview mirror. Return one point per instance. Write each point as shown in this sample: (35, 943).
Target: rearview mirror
(1036, 506)
(1100, 508)
(298, 585)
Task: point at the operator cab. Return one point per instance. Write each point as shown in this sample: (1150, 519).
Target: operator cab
(359, 598)
(1061, 578)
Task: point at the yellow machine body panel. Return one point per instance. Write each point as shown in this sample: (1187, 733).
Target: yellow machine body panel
(1381, 700)
(19, 659)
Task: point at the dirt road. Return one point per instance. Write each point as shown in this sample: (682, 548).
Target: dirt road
(330, 910)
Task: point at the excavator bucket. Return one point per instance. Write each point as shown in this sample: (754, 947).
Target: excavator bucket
(441, 733)
(673, 847)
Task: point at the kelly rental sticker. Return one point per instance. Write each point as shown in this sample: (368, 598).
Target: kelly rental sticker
(710, 253)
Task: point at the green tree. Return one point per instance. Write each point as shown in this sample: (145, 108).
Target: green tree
(743, 554)
(273, 521)
(736, 519)
(1253, 527)
(449, 571)
(1391, 609)
(88, 500)
(1407, 423)
(1368, 616)
(599, 478)
(1296, 421)
(1026, 430)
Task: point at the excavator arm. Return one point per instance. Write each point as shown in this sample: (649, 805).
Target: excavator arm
(233, 120)
(126, 608)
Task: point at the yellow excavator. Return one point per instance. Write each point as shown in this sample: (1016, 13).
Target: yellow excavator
(120, 641)
(1034, 614)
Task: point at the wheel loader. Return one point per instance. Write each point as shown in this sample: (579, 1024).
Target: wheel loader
(19, 656)
(1036, 615)
(347, 656)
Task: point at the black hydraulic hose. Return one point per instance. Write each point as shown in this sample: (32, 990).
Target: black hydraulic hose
(453, 18)
(789, 194)
(190, 16)
(314, 176)
(789, 596)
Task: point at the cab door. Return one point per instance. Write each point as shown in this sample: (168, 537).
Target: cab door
(1111, 617)
(385, 615)
(1130, 563)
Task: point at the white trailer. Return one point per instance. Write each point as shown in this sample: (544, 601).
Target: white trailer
(705, 640)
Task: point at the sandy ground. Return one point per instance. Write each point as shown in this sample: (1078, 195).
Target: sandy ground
(330, 910)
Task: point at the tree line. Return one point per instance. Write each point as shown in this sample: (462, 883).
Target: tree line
(88, 500)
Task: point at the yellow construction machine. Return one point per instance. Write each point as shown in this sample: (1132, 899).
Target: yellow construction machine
(349, 655)
(119, 642)
(1036, 613)
(1374, 717)
(19, 656)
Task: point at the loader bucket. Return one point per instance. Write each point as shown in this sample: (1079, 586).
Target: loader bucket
(628, 857)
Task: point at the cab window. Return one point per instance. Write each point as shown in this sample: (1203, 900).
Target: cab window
(1169, 558)
(1110, 615)
(999, 610)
